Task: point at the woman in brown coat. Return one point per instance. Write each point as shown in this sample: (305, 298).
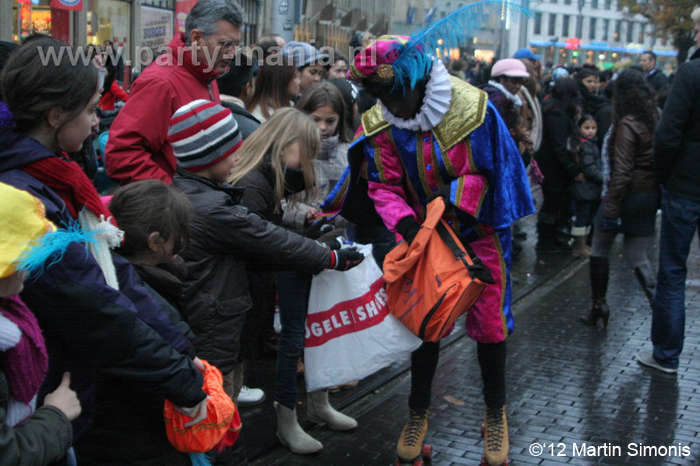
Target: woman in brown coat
(630, 191)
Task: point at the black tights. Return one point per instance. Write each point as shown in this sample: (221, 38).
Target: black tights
(492, 361)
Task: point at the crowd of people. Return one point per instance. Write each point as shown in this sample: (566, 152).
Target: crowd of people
(219, 174)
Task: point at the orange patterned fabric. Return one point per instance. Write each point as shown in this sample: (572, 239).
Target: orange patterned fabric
(219, 430)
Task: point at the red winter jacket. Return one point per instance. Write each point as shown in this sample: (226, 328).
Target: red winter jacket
(110, 97)
(137, 148)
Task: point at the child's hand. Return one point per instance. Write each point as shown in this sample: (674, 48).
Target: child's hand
(311, 215)
(198, 412)
(64, 399)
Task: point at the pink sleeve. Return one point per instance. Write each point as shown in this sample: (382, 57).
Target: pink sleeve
(385, 179)
(468, 189)
(467, 193)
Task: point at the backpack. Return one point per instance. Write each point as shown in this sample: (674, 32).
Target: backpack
(435, 280)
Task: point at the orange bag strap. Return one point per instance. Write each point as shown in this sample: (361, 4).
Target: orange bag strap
(469, 258)
(396, 268)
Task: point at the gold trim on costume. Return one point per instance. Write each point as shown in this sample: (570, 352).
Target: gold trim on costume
(466, 113)
(378, 160)
(421, 164)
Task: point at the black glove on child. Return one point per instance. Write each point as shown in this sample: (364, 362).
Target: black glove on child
(332, 243)
(318, 228)
(408, 227)
(345, 259)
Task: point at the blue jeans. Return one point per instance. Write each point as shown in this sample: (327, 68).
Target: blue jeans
(679, 222)
(293, 291)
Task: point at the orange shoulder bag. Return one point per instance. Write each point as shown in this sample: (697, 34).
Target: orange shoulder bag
(435, 280)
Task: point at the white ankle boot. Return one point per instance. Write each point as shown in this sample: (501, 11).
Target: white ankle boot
(290, 433)
(320, 410)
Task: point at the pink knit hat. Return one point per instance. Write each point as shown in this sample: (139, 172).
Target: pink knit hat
(509, 67)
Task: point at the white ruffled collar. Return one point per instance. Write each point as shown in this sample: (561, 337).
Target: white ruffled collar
(438, 94)
(517, 101)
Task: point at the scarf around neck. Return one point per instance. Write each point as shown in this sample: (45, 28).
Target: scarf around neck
(517, 101)
(24, 361)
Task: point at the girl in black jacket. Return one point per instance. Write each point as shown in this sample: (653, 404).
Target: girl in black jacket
(276, 163)
(586, 193)
(155, 220)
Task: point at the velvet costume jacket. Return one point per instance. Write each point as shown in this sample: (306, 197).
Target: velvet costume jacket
(471, 149)
(393, 171)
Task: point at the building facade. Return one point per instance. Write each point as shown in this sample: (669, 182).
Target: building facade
(604, 34)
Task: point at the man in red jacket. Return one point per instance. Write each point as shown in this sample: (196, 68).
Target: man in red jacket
(137, 148)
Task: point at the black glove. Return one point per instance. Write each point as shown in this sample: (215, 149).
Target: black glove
(345, 259)
(408, 228)
(443, 192)
(332, 243)
(318, 228)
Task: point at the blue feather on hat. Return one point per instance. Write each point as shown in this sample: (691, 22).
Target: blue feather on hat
(51, 247)
(452, 31)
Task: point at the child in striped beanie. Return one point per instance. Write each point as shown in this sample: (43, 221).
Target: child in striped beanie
(204, 137)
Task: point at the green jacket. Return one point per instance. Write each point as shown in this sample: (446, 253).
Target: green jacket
(41, 439)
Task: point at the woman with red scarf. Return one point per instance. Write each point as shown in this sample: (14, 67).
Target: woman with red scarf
(93, 313)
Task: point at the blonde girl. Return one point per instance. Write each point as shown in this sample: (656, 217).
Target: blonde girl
(276, 163)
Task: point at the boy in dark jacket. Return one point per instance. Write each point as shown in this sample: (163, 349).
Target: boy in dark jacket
(224, 236)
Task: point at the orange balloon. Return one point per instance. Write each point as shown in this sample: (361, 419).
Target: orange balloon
(219, 430)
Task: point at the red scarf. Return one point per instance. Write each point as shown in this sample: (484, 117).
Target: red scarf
(68, 180)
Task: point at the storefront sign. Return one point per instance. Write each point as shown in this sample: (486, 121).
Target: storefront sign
(156, 27)
(75, 5)
(182, 9)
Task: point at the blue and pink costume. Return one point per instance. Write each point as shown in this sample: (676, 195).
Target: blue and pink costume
(466, 145)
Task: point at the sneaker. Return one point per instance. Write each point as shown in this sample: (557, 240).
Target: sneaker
(647, 359)
(250, 396)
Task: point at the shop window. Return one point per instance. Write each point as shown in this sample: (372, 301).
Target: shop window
(109, 20)
(30, 18)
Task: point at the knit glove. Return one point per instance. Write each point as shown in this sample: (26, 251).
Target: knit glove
(318, 228)
(345, 259)
(408, 228)
(333, 243)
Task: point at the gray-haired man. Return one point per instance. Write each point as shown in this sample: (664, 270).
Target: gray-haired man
(137, 148)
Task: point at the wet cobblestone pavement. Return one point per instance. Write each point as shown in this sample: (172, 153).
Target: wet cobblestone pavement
(569, 386)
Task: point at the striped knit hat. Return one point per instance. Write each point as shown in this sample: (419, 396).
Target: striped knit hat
(203, 133)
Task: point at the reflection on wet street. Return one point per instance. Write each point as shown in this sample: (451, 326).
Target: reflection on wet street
(575, 395)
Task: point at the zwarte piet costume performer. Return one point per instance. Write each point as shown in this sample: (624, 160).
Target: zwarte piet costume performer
(432, 135)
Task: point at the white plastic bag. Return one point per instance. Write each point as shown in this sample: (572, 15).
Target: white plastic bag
(349, 331)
